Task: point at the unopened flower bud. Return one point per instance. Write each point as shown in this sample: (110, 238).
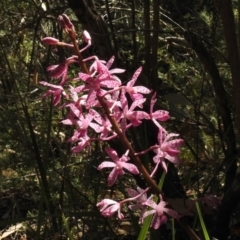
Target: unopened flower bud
(87, 37)
(50, 41)
(64, 22)
(67, 26)
(67, 21)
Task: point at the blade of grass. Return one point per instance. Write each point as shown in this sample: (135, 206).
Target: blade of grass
(203, 226)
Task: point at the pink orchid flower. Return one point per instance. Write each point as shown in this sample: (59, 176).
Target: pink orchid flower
(135, 117)
(168, 149)
(101, 67)
(135, 92)
(57, 71)
(83, 122)
(108, 207)
(106, 126)
(159, 211)
(139, 200)
(56, 90)
(83, 142)
(159, 115)
(117, 165)
(61, 70)
(76, 99)
(94, 84)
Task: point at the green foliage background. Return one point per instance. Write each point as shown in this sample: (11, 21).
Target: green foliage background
(54, 191)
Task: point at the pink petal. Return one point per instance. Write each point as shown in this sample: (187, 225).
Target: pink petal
(160, 136)
(116, 70)
(89, 117)
(110, 84)
(85, 77)
(106, 164)
(130, 167)
(137, 103)
(156, 221)
(108, 212)
(103, 76)
(74, 138)
(80, 147)
(76, 111)
(94, 113)
(96, 127)
(94, 66)
(83, 124)
(146, 214)
(67, 122)
(150, 203)
(112, 154)
(91, 99)
(176, 143)
(161, 115)
(135, 122)
(56, 99)
(141, 115)
(115, 78)
(160, 220)
(136, 96)
(114, 175)
(142, 89)
(123, 101)
(105, 203)
(56, 71)
(79, 89)
(110, 62)
(172, 159)
(173, 152)
(124, 157)
(120, 215)
(101, 68)
(135, 77)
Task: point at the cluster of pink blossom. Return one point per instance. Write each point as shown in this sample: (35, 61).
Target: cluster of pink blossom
(99, 103)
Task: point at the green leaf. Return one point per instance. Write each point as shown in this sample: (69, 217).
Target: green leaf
(203, 226)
